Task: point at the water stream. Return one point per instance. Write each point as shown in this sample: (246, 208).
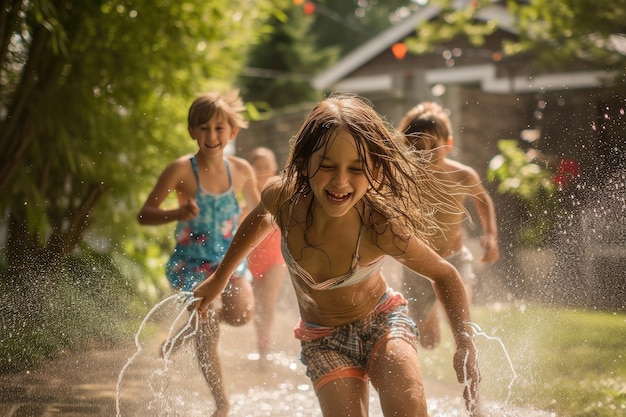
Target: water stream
(275, 386)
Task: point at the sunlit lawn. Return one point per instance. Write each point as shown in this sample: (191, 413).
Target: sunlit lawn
(570, 362)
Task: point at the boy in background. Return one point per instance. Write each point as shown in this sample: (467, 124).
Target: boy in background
(427, 127)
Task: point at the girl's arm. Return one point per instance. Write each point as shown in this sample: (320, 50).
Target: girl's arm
(448, 287)
(170, 180)
(251, 231)
(446, 282)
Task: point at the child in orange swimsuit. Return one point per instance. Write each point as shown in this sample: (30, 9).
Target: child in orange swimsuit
(265, 262)
(351, 194)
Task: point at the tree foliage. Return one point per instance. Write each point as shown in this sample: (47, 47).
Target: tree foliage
(93, 96)
(349, 24)
(280, 67)
(309, 38)
(555, 31)
(558, 31)
(521, 174)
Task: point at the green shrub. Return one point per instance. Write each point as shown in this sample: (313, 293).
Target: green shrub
(88, 300)
(519, 174)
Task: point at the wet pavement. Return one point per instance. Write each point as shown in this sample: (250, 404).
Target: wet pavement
(85, 384)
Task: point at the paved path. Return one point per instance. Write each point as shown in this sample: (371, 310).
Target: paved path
(84, 384)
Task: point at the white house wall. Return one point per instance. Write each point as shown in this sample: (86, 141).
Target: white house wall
(486, 76)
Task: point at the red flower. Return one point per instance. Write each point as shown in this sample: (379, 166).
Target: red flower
(567, 171)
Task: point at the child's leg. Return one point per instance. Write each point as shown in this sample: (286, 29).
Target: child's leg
(430, 334)
(422, 307)
(207, 339)
(395, 373)
(237, 302)
(344, 397)
(266, 291)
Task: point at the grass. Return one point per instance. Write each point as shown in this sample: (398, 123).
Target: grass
(569, 362)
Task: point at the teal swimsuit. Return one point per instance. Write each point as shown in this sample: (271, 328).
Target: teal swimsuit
(202, 241)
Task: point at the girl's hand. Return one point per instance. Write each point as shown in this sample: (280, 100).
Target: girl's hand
(468, 373)
(189, 210)
(208, 290)
(491, 252)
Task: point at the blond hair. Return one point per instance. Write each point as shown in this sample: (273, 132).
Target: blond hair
(212, 104)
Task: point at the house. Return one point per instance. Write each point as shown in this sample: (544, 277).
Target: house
(574, 113)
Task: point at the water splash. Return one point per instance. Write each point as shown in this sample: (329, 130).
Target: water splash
(477, 331)
(187, 299)
(171, 343)
(279, 391)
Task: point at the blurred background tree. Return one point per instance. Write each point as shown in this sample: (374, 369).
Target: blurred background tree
(281, 65)
(310, 38)
(349, 24)
(94, 97)
(555, 31)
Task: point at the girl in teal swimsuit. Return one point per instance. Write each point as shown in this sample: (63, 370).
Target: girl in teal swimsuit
(202, 241)
(207, 215)
(351, 194)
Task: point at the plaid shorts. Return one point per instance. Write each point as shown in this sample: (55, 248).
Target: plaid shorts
(346, 351)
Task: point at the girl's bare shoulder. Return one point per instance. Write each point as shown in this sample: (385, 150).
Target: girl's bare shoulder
(241, 170)
(270, 195)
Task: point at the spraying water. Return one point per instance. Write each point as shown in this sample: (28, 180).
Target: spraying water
(168, 346)
(278, 386)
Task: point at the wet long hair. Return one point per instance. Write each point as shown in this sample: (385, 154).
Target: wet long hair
(402, 188)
